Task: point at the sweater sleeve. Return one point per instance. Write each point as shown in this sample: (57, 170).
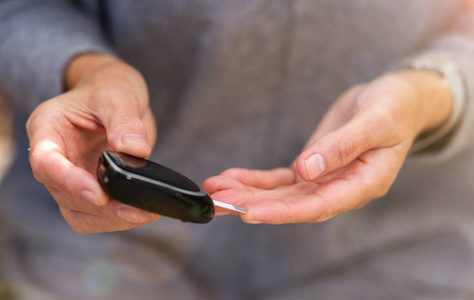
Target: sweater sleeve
(457, 46)
(37, 39)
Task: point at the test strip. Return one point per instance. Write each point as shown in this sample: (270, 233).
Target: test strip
(230, 207)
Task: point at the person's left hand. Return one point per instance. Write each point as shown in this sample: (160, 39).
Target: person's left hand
(352, 158)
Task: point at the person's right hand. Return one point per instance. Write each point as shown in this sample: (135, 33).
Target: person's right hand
(105, 107)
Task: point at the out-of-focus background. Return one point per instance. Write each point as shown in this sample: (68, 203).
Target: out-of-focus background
(6, 146)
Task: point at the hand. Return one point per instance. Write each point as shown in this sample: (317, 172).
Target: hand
(352, 158)
(106, 107)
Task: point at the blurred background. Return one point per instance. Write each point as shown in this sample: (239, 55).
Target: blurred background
(6, 146)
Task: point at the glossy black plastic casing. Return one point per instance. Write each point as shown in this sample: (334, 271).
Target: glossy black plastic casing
(152, 187)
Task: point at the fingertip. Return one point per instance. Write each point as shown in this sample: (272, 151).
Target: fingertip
(126, 133)
(235, 173)
(88, 189)
(254, 214)
(249, 219)
(218, 183)
(209, 185)
(314, 166)
(310, 166)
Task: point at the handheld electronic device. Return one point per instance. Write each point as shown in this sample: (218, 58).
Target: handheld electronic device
(152, 187)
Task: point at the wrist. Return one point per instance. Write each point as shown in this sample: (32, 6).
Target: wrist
(434, 100)
(446, 69)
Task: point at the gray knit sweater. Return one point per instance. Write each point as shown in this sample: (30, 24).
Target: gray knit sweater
(241, 83)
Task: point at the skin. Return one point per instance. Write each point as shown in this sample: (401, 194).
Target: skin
(352, 158)
(105, 107)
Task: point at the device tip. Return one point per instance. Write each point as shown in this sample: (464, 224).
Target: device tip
(230, 207)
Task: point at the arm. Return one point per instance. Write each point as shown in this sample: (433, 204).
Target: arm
(105, 107)
(360, 145)
(48, 47)
(352, 158)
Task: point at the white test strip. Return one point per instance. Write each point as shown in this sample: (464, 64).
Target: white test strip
(230, 207)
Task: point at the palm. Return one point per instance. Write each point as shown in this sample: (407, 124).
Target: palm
(83, 145)
(72, 132)
(278, 196)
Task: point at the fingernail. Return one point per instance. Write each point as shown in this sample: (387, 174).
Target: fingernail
(131, 215)
(315, 166)
(131, 138)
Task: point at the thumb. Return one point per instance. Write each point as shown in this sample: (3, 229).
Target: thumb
(336, 150)
(125, 128)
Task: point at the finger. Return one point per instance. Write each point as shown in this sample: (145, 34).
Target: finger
(244, 196)
(340, 147)
(87, 223)
(262, 179)
(65, 199)
(122, 119)
(218, 183)
(52, 168)
(362, 181)
(237, 178)
(299, 208)
(113, 209)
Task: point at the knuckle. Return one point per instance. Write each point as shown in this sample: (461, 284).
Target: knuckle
(384, 119)
(105, 91)
(124, 120)
(326, 215)
(343, 149)
(328, 211)
(116, 93)
(386, 124)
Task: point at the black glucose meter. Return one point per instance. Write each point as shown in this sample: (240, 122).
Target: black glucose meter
(152, 187)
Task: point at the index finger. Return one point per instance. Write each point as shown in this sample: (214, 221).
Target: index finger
(51, 167)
